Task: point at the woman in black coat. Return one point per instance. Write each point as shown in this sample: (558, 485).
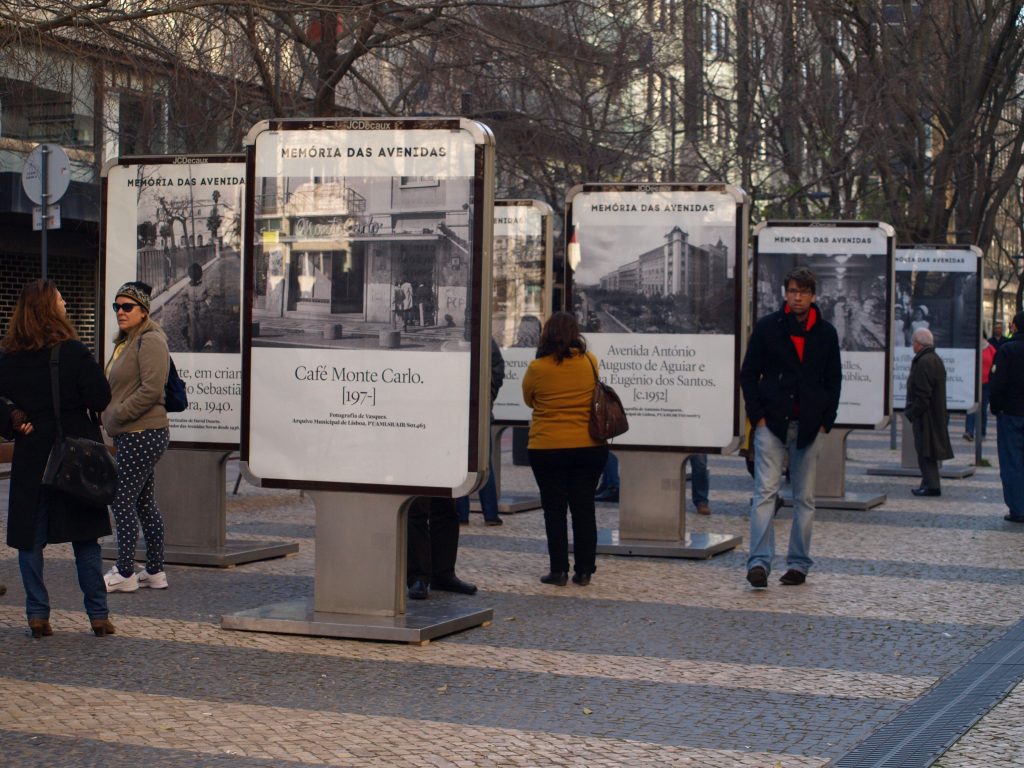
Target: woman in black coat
(38, 515)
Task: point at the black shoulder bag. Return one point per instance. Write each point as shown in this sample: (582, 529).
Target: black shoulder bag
(80, 467)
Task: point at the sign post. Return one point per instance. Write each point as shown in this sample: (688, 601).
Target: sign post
(45, 179)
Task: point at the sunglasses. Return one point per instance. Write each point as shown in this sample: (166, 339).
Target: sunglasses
(127, 307)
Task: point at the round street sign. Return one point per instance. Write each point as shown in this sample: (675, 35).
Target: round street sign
(58, 174)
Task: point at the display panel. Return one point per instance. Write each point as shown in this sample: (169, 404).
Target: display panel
(522, 295)
(655, 288)
(369, 297)
(853, 262)
(939, 288)
(175, 222)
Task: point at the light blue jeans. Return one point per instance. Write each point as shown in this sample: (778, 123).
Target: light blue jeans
(769, 458)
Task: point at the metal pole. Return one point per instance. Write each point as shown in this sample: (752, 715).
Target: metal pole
(45, 199)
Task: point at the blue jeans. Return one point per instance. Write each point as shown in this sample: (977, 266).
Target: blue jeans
(700, 480)
(1010, 447)
(969, 425)
(488, 498)
(769, 455)
(88, 563)
(610, 475)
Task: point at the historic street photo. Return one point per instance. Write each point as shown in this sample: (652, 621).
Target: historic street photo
(946, 303)
(677, 278)
(189, 231)
(852, 293)
(363, 262)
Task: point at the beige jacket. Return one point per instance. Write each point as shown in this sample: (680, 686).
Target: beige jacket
(137, 377)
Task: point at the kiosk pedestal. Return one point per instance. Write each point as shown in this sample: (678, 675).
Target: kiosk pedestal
(652, 516)
(830, 483)
(190, 489)
(908, 460)
(359, 580)
(508, 501)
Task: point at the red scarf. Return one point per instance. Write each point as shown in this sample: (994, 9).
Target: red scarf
(799, 333)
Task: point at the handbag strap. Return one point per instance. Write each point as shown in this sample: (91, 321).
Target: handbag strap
(55, 387)
(597, 379)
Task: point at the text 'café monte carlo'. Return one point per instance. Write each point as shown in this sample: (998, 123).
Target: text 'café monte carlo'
(340, 247)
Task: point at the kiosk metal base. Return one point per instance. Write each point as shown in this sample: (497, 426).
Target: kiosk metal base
(950, 473)
(234, 552)
(696, 546)
(858, 501)
(510, 503)
(422, 622)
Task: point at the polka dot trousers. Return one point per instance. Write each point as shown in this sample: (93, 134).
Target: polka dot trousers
(135, 503)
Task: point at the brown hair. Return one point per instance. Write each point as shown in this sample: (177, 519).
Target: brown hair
(560, 335)
(36, 323)
(803, 277)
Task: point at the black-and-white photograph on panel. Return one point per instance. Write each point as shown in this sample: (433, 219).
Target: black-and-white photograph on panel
(175, 223)
(367, 298)
(853, 264)
(654, 285)
(522, 263)
(938, 287)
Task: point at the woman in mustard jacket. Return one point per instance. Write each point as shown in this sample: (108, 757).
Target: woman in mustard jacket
(566, 461)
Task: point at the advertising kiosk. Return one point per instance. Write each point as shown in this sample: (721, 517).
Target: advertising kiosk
(175, 223)
(522, 278)
(657, 285)
(351, 392)
(938, 287)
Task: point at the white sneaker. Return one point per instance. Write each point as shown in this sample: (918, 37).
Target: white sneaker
(117, 583)
(156, 580)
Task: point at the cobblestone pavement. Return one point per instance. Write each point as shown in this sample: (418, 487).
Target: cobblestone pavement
(658, 662)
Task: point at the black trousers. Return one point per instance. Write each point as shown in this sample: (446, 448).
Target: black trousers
(433, 539)
(567, 478)
(929, 467)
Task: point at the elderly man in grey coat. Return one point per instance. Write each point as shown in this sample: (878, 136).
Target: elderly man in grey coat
(926, 409)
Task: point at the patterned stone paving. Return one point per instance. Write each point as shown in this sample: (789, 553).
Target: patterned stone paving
(658, 662)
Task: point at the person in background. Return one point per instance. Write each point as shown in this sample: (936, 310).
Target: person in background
(997, 338)
(489, 490)
(566, 460)
(433, 547)
(1007, 395)
(988, 356)
(137, 421)
(926, 410)
(700, 483)
(791, 377)
(608, 486)
(38, 515)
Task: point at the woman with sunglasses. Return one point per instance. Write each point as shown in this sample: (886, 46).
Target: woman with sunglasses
(137, 421)
(38, 515)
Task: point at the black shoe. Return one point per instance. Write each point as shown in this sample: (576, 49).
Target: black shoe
(453, 584)
(495, 521)
(558, 578)
(758, 577)
(968, 437)
(418, 590)
(581, 578)
(926, 491)
(1012, 519)
(608, 494)
(793, 577)
(3, 589)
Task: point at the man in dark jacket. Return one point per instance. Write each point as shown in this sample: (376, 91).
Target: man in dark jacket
(926, 409)
(791, 378)
(1007, 400)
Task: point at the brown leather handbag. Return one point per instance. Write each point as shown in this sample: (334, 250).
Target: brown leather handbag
(607, 415)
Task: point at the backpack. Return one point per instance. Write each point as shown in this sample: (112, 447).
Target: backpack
(175, 398)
